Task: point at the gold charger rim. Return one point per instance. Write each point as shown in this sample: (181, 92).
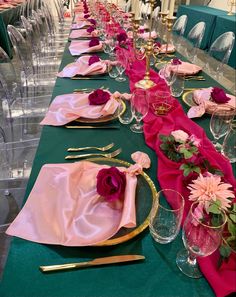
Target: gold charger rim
(105, 119)
(145, 223)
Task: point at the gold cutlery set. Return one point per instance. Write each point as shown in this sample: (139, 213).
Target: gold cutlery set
(103, 149)
(194, 77)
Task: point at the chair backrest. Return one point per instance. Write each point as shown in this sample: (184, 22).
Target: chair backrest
(22, 49)
(222, 47)
(196, 34)
(180, 25)
(156, 12)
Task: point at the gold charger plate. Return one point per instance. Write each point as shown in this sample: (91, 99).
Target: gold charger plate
(145, 194)
(108, 118)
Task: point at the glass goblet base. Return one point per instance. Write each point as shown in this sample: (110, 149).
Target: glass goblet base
(136, 128)
(120, 79)
(187, 265)
(217, 146)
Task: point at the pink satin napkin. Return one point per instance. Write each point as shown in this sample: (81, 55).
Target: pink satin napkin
(81, 67)
(80, 25)
(82, 46)
(204, 104)
(82, 33)
(64, 207)
(144, 35)
(69, 107)
(170, 48)
(170, 176)
(185, 68)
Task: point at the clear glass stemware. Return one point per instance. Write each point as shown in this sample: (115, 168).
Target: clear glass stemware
(139, 108)
(201, 237)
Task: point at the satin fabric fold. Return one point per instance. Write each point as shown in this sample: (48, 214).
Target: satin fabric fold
(64, 207)
(82, 33)
(81, 67)
(204, 104)
(169, 175)
(69, 107)
(82, 46)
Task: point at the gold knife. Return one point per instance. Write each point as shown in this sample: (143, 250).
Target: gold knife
(84, 77)
(95, 262)
(92, 127)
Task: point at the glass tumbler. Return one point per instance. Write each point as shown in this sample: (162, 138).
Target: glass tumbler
(166, 217)
(125, 113)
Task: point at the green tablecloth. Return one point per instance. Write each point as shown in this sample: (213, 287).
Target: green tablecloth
(217, 22)
(158, 275)
(9, 16)
(225, 23)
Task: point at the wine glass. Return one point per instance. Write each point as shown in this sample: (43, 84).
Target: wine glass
(121, 66)
(139, 108)
(220, 124)
(201, 236)
(168, 75)
(229, 144)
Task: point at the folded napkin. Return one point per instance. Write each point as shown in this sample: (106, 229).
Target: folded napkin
(184, 68)
(204, 103)
(80, 25)
(144, 35)
(65, 208)
(170, 48)
(82, 67)
(69, 107)
(82, 33)
(82, 46)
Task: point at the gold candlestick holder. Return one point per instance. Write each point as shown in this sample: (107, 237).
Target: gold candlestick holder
(231, 3)
(163, 16)
(170, 22)
(146, 82)
(136, 23)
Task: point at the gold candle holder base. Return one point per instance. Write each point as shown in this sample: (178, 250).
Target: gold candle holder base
(163, 16)
(170, 22)
(145, 84)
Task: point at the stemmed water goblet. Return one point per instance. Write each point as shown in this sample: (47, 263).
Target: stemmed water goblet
(201, 235)
(168, 74)
(139, 108)
(220, 124)
(121, 66)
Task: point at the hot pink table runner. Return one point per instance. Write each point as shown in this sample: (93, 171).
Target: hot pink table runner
(222, 280)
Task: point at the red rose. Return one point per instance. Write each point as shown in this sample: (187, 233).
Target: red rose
(93, 42)
(111, 183)
(98, 97)
(93, 59)
(218, 95)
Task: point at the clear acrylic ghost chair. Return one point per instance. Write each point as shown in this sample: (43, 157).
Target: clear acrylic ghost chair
(178, 30)
(128, 6)
(29, 71)
(220, 50)
(195, 37)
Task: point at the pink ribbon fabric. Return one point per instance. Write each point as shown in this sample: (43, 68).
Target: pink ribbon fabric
(69, 107)
(64, 207)
(79, 47)
(81, 67)
(222, 280)
(204, 104)
(82, 33)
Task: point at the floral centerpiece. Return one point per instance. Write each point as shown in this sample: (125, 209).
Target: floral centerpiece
(205, 182)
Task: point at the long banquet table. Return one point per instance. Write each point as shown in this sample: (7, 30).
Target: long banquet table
(158, 275)
(217, 22)
(8, 16)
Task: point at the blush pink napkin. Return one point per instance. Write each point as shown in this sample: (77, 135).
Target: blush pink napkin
(204, 104)
(82, 33)
(64, 206)
(80, 25)
(79, 47)
(69, 107)
(185, 68)
(81, 67)
(170, 48)
(169, 175)
(144, 35)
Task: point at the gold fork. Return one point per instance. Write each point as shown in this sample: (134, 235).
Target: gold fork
(109, 155)
(78, 149)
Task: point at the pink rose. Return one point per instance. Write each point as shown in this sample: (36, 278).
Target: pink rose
(111, 183)
(179, 135)
(196, 141)
(218, 95)
(93, 59)
(93, 42)
(98, 97)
